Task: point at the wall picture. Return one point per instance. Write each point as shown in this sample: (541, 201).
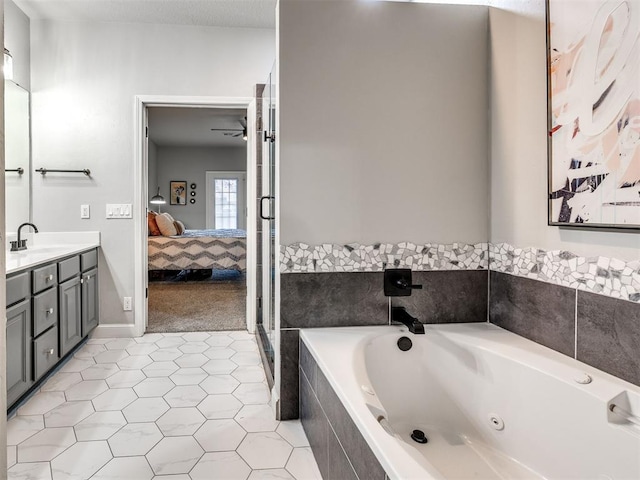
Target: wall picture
(178, 191)
(594, 113)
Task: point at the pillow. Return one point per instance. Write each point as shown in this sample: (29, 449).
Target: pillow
(165, 224)
(154, 231)
(179, 226)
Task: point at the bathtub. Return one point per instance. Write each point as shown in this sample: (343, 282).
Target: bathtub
(492, 405)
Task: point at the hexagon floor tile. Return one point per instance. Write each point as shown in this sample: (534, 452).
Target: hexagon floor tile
(160, 407)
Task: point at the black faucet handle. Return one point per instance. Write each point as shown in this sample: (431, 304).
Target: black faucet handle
(397, 282)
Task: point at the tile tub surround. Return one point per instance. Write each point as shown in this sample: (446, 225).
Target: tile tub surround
(338, 446)
(605, 330)
(603, 275)
(354, 257)
(193, 406)
(310, 300)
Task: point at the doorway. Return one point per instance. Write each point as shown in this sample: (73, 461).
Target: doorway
(233, 257)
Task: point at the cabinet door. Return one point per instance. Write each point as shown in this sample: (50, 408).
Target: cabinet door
(70, 314)
(19, 377)
(89, 301)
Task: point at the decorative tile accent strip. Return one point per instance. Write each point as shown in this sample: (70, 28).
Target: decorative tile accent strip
(303, 258)
(607, 276)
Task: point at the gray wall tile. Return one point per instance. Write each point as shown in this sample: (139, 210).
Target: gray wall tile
(362, 458)
(308, 365)
(609, 335)
(332, 299)
(289, 389)
(448, 296)
(539, 311)
(339, 466)
(315, 425)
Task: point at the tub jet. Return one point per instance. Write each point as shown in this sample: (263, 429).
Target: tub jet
(419, 436)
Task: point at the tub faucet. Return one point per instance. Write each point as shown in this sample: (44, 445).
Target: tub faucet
(20, 244)
(400, 314)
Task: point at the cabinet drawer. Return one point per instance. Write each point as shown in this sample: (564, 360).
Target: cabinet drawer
(68, 268)
(45, 352)
(17, 288)
(89, 260)
(45, 277)
(45, 311)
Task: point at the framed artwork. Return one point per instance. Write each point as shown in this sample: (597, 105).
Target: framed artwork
(593, 65)
(178, 193)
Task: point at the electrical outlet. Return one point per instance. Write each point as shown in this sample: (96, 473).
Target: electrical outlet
(85, 211)
(127, 303)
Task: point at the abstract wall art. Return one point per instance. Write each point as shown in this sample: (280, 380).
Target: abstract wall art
(593, 51)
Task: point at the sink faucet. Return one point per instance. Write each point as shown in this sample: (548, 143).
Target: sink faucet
(400, 314)
(19, 244)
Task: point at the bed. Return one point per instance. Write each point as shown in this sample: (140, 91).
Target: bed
(199, 250)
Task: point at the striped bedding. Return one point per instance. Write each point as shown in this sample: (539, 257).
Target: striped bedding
(199, 249)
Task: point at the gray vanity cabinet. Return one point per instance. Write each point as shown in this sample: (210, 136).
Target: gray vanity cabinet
(18, 350)
(89, 301)
(70, 299)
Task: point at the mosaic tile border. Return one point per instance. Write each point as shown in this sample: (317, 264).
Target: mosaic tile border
(303, 258)
(603, 275)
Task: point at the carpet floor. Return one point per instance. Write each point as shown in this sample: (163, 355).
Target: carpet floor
(197, 306)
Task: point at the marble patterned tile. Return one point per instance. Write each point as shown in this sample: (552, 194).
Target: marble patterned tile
(220, 435)
(174, 455)
(227, 465)
(246, 358)
(265, 450)
(292, 432)
(185, 396)
(220, 406)
(216, 384)
(68, 414)
(99, 426)
(93, 419)
(126, 467)
(114, 399)
(301, 464)
(30, 471)
(46, 445)
(180, 421)
(81, 460)
(135, 439)
(21, 427)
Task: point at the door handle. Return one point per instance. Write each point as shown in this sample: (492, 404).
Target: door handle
(262, 215)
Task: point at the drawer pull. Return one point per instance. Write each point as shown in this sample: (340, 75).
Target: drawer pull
(50, 351)
(88, 277)
(49, 311)
(48, 278)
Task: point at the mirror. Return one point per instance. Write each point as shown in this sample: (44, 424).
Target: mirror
(17, 156)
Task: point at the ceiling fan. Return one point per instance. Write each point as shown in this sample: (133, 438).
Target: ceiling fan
(234, 132)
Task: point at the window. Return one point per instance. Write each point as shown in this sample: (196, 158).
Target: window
(226, 203)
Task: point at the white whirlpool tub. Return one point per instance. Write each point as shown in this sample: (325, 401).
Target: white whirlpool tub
(493, 405)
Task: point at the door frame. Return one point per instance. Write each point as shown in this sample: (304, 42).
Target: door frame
(210, 196)
(141, 188)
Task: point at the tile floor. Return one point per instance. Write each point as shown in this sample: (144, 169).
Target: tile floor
(191, 406)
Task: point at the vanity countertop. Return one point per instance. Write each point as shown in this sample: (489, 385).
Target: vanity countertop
(49, 247)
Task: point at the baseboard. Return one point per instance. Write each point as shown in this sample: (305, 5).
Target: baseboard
(117, 330)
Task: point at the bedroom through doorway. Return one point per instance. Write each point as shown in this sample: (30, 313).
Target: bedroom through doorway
(197, 217)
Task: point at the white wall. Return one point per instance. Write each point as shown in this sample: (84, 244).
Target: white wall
(519, 141)
(191, 164)
(3, 291)
(16, 39)
(84, 79)
(383, 128)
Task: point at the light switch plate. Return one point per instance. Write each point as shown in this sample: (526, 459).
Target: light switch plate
(85, 211)
(119, 210)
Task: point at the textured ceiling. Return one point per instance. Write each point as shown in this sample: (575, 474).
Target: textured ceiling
(191, 127)
(215, 13)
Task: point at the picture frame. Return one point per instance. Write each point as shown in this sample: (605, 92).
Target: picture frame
(178, 192)
(593, 113)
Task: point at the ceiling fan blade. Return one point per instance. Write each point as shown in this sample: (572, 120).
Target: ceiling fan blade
(226, 130)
